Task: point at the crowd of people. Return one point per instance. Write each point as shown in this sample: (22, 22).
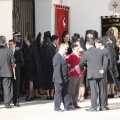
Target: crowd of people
(64, 71)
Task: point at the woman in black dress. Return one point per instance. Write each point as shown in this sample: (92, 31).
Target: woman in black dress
(112, 74)
(32, 66)
(47, 67)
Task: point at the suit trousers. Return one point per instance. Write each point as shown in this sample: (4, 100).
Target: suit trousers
(106, 96)
(6, 82)
(16, 87)
(96, 84)
(74, 85)
(61, 93)
(1, 90)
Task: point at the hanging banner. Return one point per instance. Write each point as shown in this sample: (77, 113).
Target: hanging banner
(62, 20)
(110, 22)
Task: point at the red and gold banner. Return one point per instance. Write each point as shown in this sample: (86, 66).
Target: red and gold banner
(62, 20)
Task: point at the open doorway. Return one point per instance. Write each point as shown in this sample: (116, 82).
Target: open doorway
(24, 17)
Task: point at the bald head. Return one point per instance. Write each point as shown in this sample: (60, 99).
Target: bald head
(62, 45)
(2, 40)
(63, 48)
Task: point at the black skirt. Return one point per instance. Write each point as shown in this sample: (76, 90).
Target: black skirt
(109, 77)
(29, 74)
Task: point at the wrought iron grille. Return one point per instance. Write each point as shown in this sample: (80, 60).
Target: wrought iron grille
(23, 17)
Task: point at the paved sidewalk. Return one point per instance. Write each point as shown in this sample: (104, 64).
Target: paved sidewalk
(43, 110)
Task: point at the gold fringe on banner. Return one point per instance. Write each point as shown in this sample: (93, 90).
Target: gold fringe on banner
(61, 7)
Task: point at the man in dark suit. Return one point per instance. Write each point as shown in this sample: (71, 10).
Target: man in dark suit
(96, 66)
(19, 63)
(54, 44)
(60, 79)
(6, 63)
(99, 44)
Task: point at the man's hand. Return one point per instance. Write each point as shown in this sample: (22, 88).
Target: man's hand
(13, 65)
(72, 69)
(110, 40)
(101, 72)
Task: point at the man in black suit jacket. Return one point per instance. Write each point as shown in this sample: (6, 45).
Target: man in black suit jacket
(54, 44)
(19, 63)
(6, 63)
(60, 79)
(99, 44)
(96, 66)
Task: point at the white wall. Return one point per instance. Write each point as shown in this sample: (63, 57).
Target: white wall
(84, 14)
(6, 18)
(43, 15)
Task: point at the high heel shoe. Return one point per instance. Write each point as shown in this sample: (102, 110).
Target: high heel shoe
(114, 94)
(81, 99)
(51, 97)
(48, 98)
(30, 98)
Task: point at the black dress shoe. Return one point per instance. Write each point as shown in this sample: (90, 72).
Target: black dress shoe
(1, 98)
(91, 110)
(8, 107)
(30, 98)
(104, 108)
(59, 110)
(17, 105)
(51, 98)
(69, 109)
(78, 107)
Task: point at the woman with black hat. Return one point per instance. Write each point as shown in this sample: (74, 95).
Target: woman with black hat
(112, 74)
(47, 67)
(32, 66)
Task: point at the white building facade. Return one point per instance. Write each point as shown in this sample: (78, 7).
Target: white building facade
(84, 14)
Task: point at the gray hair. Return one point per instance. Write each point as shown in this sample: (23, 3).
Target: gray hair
(2, 40)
